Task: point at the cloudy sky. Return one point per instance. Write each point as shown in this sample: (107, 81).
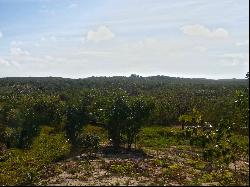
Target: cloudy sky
(81, 38)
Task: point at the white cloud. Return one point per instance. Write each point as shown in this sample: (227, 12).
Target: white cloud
(82, 39)
(42, 39)
(53, 38)
(102, 33)
(73, 5)
(4, 62)
(37, 44)
(22, 58)
(201, 49)
(234, 59)
(149, 56)
(47, 11)
(1, 34)
(96, 53)
(18, 55)
(244, 43)
(15, 43)
(202, 31)
(15, 51)
(234, 55)
(48, 38)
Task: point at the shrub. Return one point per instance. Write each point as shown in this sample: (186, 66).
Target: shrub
(76, 117)
(22, 167)
(159, 137)
(12, 137)
(49, 146)
(98, 131)
(89, 142)
(125, 118)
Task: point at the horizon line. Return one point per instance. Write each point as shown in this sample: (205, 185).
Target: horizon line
(136, 75)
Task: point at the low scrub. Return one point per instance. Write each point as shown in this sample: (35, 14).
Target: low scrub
(23, 167)
(160, 137)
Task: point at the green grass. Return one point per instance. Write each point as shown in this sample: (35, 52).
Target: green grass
(24, 167)
(99, 131)
(161, 137)
(154, 137)
(241, 141)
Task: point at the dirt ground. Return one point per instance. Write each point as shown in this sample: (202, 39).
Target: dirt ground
(171, 166)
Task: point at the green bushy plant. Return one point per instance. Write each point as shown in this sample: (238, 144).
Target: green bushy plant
(125, 117)
(89, 142)
(23, 167)
(76, 118)
(216, 141)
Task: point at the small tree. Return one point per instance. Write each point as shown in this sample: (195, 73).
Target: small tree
(34, 112)
(139, 113)
(193, 119)
(125, 118)
(240, 118)
(117, 119)
(215, 139)
(247, 75)
(76, 117)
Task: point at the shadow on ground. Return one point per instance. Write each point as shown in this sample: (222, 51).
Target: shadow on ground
(123, 153)
(110, 152)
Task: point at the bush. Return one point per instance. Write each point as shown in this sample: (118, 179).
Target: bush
(89, 142)
(76, 117)
(12, 137)
(22, 167)
(98, 131)
(49, 146)
(159, 137)
(125, 118)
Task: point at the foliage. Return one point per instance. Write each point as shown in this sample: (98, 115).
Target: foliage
(76, 116)
(50, 146)
(88, 142)
(216, 141)
(215, 112)
(240, 119)
(97, 131)
(125, 118)
(139, 113)
(122, 168)
(26, 115)
(161, 137)
(12, 136)
(23, 167)
(117, 116)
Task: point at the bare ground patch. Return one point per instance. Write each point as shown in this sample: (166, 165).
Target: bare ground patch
(169, 166)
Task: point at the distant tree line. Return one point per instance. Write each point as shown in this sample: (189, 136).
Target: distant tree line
(122, 105)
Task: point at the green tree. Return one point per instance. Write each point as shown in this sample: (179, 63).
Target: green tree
(76, 118)
(140, 110)
(247, 75)
(125, 117)
(37, 111)
(117, 117)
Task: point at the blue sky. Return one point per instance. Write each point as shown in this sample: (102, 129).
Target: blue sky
(81, 38)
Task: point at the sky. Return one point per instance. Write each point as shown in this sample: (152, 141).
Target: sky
(83, 38)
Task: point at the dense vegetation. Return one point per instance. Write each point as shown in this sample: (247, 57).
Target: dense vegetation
(44, 120)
